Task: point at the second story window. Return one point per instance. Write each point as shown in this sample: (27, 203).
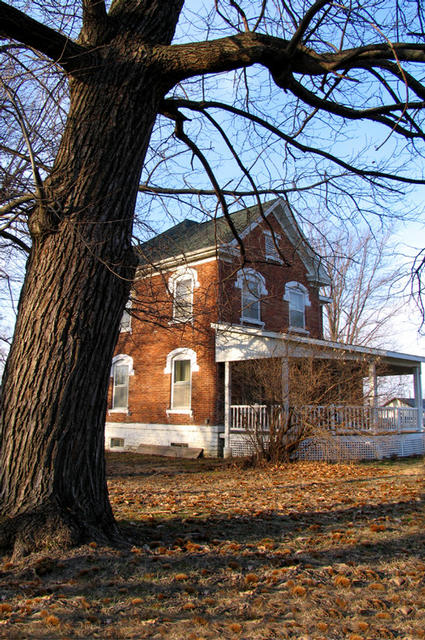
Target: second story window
(183, 299)
(181, 286)
(296, 295)
(253, 290)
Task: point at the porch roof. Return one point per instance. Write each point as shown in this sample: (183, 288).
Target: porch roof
(236, 343)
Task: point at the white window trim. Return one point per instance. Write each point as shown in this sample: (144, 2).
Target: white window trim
(275, 238)
(181, 353)
(121, 358)
(182, 274)
(243, 277)
(298, 288)
(127, 309)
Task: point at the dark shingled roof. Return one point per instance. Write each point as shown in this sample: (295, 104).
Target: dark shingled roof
(189, 235)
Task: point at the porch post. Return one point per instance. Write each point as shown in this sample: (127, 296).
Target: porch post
(285, 382)
(417, 382)
(373, 384)
(227, 451)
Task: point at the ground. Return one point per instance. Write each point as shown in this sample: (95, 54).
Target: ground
(302, 551)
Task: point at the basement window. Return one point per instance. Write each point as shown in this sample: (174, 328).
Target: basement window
(117, 442)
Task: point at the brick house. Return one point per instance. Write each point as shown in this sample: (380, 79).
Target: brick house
(198, 310)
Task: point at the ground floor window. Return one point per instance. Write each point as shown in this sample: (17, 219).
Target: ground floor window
(122, 368)
(181, 389)
(181, 364)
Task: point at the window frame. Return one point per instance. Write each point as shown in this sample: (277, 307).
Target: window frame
(244, 278)
(181, 354)
(180, 276)
(187, 385)
(270, 251)
(126, 328)
(121, 360)
(300, 290)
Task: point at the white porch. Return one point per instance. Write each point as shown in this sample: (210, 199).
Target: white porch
(343, 421)
(339, 420)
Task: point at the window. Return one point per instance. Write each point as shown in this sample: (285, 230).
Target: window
(181, 363)
(117, 442)
(181, 286)
(251, 306)
(297, 297)
(180, 394)
(253, 289)
(120, 395)
(270, 242)
(122, 368)
(125, 324)
(183, 299)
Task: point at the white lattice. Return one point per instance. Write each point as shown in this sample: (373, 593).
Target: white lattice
(345, 447)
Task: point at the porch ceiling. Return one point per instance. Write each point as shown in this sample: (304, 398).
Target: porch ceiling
(235, 343)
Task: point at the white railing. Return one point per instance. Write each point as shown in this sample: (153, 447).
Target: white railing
(338, 419)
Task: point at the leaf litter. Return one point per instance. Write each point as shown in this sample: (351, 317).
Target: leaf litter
(308, 550)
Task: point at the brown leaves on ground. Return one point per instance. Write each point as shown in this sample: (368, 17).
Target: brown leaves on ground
(304, 551)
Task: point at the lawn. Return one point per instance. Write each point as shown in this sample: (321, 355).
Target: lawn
(307, 551)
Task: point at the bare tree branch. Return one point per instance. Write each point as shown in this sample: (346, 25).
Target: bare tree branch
(365, 173)
(21, 27)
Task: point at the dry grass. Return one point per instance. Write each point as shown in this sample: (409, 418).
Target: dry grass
(302, 551)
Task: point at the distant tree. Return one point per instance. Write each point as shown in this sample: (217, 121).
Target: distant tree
(330, 63)
(365, 291)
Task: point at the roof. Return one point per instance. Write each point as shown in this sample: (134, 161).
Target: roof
(230, 341)
(408, 402)
(190, 237)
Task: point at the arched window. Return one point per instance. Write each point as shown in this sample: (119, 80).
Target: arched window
(125, 323)
(122, 368)
(181, 285)
(253, 289)
(296, 295)
(181, 363)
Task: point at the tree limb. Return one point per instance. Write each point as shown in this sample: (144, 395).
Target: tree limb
(302, 27)
(374, 114)
(20, 243)
(95, 22)
(17, 25)
(181, 135)
(365, 173)
(245, 49)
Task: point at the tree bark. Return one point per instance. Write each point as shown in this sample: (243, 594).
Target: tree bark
(52, 472)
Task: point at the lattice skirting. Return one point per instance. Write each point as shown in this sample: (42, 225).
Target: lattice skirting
(346, 447)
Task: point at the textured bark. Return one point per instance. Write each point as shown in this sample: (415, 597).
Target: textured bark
(52, 472)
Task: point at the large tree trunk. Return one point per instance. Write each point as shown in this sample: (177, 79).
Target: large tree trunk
(52, 472)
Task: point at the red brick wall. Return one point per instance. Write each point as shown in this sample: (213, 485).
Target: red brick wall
(274, 310)
(152, 337)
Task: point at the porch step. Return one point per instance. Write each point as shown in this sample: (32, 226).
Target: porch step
(170, 452)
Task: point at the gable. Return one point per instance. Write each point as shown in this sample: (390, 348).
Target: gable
(316, 272)
(191, 240)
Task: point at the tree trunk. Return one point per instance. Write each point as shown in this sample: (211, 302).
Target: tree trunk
(52, 472)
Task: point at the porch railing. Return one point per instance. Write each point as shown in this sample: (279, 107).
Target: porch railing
(337, 419)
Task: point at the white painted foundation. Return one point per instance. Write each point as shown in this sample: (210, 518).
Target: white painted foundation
(206, 437)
